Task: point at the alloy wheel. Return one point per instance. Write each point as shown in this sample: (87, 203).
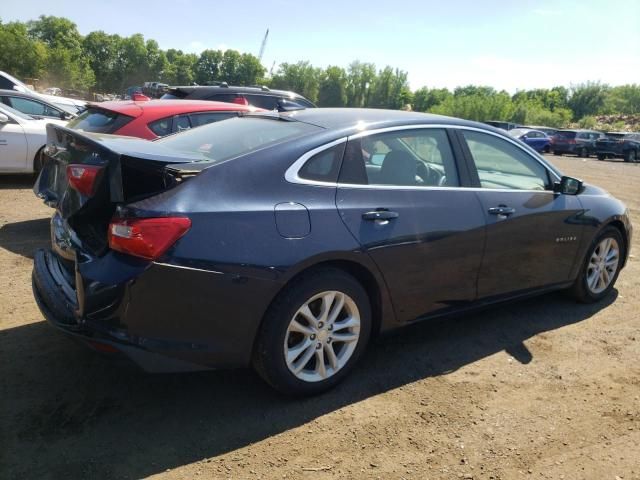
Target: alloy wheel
(603, 265)
(322, 336)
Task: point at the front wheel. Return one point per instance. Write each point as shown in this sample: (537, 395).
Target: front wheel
(314, 333)
(631, 156)
(601, 267)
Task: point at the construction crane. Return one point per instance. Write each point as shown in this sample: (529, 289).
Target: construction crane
(264, 44)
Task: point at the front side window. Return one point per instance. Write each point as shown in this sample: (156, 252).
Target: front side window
(502, 165)
(410, 158)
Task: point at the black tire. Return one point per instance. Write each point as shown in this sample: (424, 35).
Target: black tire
(583, 153)
(602, 157)
(556, 153)
(631, 156)
(269, 356)
(38, 161)
(580, 290)
(546, 149)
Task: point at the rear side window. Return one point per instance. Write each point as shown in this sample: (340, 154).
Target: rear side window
(32, 107)
(263, 101)
(324, 166)
(223, 97)
(98, 120)
(161, 127)
(199, 119)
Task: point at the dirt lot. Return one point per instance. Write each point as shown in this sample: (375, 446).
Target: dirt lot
(540, 389)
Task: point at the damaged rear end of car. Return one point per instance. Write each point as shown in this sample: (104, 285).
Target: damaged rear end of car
(101, 246)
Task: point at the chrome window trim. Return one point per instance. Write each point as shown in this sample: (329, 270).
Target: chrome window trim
(291, 175)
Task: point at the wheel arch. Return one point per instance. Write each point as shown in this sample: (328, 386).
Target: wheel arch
(382, 313)
(621, 227)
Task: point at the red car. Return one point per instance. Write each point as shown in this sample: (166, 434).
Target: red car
(154, 118)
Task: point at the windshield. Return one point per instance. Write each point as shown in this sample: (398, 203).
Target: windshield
(15, 113)
(237, 136)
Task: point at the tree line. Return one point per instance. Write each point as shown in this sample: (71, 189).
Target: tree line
(52, 49)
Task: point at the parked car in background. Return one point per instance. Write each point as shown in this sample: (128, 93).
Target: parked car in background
(503, 125)
(287, 240)
(579, 142)
(22, 140)
(71, 105)
(619, 145)
(153, 118)
(33, 105)
(261, 97)
(550, 131)
(53, 91)
(536, 139)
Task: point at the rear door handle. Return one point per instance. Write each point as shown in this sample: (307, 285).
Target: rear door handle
(380, 215)
(502, 210)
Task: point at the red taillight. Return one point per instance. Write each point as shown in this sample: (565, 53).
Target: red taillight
(240, 101)
(83, 178)
(146, 237)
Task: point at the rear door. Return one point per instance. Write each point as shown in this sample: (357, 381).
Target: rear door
(399, 195)
(532, 232)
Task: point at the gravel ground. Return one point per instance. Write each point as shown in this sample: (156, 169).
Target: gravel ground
(543, 388)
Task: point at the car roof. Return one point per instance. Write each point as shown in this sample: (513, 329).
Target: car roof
(232, 89)
(357, 118)
(162, 108)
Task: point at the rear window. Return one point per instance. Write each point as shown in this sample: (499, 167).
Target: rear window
(99, 121)
(237, 136)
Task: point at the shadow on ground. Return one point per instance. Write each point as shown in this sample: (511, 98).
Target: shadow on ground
(24, 238)
(11, 182)
(68, 413)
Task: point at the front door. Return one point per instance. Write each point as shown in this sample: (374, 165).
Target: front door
(532, 235)
(399, 196)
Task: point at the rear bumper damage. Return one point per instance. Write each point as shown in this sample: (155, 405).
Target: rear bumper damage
(161, 317)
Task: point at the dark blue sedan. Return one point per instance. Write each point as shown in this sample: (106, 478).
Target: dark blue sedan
(287, 240)
(536, 139)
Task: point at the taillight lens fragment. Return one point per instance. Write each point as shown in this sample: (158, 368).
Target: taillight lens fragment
(84, 178)
(147, 238)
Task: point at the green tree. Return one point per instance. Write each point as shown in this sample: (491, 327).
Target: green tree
(424, 99)
(332, 91)
(207, 68)
(360, 79)
(299, 77)
(588, 99)
(21, 55)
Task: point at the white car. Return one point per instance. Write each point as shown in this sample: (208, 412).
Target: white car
(71, 105)
(22, 139)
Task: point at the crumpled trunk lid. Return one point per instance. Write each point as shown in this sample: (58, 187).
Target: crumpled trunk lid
(132, 169)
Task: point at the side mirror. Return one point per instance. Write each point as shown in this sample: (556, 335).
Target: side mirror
(4, 118)
(568, 186)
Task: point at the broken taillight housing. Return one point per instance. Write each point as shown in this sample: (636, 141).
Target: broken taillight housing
(84, 178)
(147, 238)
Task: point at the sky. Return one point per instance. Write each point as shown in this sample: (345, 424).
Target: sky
(511, 45)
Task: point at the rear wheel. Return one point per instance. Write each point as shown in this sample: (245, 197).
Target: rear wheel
(314, 333)
(631, 156)
(600, 268)
(38, 161)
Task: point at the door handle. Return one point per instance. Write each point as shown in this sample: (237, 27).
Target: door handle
(502, 210)
(380, 215)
